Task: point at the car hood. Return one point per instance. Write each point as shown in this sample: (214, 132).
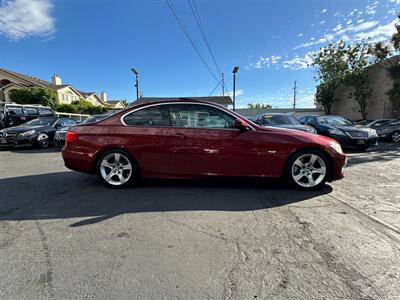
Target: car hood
(297, 127)
(22, 128)
(298, 135)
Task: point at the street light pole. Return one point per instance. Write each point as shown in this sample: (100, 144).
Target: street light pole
(136, 82)
(235, 69)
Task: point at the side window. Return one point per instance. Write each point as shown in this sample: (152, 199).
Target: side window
(150, 116)
(30, 111)
(45, 111)
(15, 110)
(199, 116)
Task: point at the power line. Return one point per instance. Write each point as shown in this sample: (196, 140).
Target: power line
(201, 28)
(196, 15)
(190, 40)
(215, 88)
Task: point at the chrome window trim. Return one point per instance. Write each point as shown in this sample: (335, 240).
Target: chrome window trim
(177, 103)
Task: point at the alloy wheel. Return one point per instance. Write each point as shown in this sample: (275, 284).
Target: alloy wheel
(43, 140)
(116, 169)
(308, 170)
(396, 137)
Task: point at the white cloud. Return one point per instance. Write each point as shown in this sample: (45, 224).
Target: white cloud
(237, 93)
(324, 10)
(299, 35)
(382, 32)
(264, 62)
(299, 62)
(22, 18)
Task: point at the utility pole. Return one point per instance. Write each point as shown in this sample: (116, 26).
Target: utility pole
(223, 84)
(294, 96)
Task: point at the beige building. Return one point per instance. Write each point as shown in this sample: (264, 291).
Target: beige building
(378, 106)
(10, 80)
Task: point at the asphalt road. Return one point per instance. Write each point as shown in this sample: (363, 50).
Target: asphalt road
(63, 235)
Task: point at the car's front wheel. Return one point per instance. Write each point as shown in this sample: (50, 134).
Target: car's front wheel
(42, 140)
(308, 169)
(395, 137)
(117, 169)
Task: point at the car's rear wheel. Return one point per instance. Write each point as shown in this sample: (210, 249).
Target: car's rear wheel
(117, 169)
(395, 137)
(308, 169)
(42, 140)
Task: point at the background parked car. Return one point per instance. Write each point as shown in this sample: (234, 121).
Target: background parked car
(342, 130)
(39, 132)
(283, 121)
(12, 114)
(388, 130)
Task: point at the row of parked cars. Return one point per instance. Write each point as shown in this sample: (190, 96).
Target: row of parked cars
(34, 125)
(347, 133)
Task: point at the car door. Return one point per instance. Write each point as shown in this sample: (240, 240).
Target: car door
(203, 140)
(143, 135)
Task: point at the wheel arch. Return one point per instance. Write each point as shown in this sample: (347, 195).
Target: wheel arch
(108, 149)
(323, 151)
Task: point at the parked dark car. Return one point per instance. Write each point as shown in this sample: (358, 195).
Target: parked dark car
(38, 132)
(192, 139)
(59, 138)
(342, 130)
(389, 130)
(283, 121)
(12, 114)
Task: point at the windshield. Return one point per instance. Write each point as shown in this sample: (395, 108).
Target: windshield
(335, 121)
(40, 122)
(280, 120)
(94, 119)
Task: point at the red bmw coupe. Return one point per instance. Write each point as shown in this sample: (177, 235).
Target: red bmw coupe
(192, 139)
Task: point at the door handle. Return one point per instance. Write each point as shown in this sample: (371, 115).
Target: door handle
(180, 135)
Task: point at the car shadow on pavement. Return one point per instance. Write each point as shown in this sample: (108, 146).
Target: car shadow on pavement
(75, 195)
(383, 152)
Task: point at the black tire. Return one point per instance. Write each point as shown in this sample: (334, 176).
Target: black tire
(42, 140)
(124, 157)
(394, 137)
(288, 174)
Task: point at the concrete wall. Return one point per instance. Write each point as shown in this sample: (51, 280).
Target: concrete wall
(378, 106)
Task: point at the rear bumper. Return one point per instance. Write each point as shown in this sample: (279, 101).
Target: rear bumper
(78, 161)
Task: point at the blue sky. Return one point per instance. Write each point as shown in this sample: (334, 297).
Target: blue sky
(93, 43)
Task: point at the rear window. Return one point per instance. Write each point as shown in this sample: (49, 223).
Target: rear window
(150, 116)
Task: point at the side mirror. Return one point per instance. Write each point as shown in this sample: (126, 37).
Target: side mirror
(241, 125)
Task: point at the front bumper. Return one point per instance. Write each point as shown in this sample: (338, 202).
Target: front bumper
(17, 141)
(347, 141)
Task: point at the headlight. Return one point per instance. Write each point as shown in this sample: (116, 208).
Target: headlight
(27, 133)
(336, 131)
(337, 148)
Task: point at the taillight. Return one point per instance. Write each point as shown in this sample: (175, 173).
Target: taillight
(71, 136)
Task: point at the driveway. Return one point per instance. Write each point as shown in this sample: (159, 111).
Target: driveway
(63, 235)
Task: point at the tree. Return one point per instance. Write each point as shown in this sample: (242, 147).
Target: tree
(332, 67)
(34, 95)
(259, 106)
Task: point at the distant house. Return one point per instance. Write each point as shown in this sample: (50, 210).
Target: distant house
(222, 100)
(10, 80)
